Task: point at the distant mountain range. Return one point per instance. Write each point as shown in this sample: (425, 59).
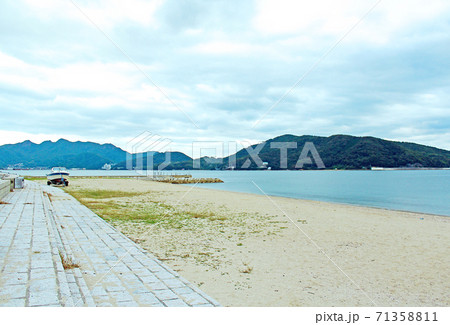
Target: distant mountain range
(337, 151)
(350, 152)
(69, 154)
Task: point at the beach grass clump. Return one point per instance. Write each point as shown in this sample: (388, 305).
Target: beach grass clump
(247, 269)
(102, 194)
(35, 178)
(114, 211)
(185, 231)
(113, 205)
(67, 262)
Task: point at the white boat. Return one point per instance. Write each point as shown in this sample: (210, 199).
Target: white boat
(58, 176)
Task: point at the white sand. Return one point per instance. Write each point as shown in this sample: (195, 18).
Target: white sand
(260, 252)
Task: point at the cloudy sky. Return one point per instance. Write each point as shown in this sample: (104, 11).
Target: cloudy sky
(106, 71)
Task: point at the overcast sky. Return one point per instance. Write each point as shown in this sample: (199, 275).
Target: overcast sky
(106, 71)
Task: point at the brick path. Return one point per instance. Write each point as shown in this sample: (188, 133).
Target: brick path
(41, 223)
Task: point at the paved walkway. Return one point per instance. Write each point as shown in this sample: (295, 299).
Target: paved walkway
(43, 223)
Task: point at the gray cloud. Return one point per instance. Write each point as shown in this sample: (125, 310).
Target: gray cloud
(216, 62)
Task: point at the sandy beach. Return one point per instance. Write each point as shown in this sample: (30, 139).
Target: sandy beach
(254, 250)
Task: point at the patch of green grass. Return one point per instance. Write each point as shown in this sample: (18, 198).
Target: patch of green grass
(111, 210)
(120, 206)
(102, 194)
(34, 178)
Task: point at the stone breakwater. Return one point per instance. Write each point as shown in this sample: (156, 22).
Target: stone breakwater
(189, 180)
(182, 179)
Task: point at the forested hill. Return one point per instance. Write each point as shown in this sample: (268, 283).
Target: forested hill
(347, 152)
(337, 151)
(89, 155)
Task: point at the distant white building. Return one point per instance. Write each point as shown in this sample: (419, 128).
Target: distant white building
(107, 167)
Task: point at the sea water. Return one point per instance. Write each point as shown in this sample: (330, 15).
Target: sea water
(426, 191)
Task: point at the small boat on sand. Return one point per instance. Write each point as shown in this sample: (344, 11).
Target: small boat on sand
(58, 176)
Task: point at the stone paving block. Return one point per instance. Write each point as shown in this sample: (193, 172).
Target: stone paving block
(194, 299)
(14, 278)
(89, 273)
(165, 275)
(128, 259)
(64, 290)
(14, 303)
(101, 298)
(13, 291)
(145, 273)
(156, 285)
(98, 290)
(128, 277)
(204, 295)
(35, 264)
(74, 290)
(137, 288)
(110, 278)
(121, 296)
(165, 294)
(129, 303)
(111, 259)
(147, 298)
(70, 276)
(183, 290)
(41, 261)
(42, 273)
(41, 247)
(18, 254)
(21, 242)
(87, 297)
(151, 265)
(174, 283)
(43, 298)
(42, 285)
(113, 287)
(157, 305)
(16, 268)
(120, 268)
(134, 251)
(204, 305)
(102, 269)
(105, 304)
(175, 303)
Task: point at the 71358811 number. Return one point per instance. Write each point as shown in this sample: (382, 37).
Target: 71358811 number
(406, 316)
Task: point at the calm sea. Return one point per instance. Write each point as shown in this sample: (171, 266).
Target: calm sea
(425, 191)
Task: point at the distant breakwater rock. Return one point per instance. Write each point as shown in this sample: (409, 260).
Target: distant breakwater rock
(189, 180)
(183, 179)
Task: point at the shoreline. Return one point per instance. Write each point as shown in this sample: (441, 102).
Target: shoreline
(329, 202)
(245, 252)
(38, 178)
(413, 191)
